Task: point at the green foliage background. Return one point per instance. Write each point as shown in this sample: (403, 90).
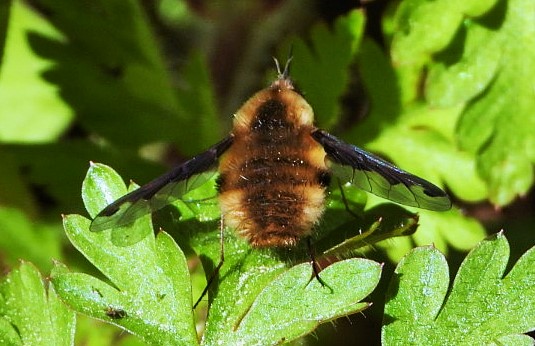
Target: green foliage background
(444, 89)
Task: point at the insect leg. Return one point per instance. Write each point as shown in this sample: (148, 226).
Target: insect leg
(215, 273)
(344, 199)
(315, 267)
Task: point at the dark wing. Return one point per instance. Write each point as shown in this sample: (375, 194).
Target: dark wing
(162, 190)
(379, 177)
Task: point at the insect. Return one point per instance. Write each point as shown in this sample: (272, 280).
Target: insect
(274, 170)
(115, 314)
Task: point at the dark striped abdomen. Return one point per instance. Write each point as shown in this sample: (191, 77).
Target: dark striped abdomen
(273, 178)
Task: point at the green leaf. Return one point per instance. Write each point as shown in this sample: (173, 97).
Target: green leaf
(483, 306)
(253, 274)
(40, 317)
(199, 123)
(91, 332)
(8, 333)
(422, 28)
(383, 221)
(415, 296)
(30, 109)
(101, 186)
(427, 153)
(498, 125)
(250, 277)
(478, 64)
(420, 149)
(419, 138)
(294, 305)
(329, 55)
(4, 20)
(59, 178)
(515, 340)
(380, 81)
(465, 68)
(449, 228)
(425, 27)
(14, 192)
(255, 288)
(112, 52)
(152, 293)
(27, 239)
(486, 65)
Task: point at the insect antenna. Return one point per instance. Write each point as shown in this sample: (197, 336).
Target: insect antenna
(285, 74)
(278, 67)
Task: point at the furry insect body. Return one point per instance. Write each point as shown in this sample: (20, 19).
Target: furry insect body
(273, 178)
(273, 173)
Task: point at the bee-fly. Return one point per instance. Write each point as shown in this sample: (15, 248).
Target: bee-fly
(274, 170)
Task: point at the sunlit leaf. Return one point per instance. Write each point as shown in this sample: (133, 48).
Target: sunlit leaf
(39, 317)
(31, 110)
(483, 306)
